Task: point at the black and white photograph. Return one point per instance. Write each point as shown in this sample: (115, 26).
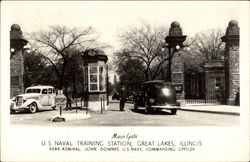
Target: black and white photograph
(125, 80)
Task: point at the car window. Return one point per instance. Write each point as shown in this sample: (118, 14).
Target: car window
(50, 90)
(160, 86)
(33, 90)
(53, 90)
(44, 91)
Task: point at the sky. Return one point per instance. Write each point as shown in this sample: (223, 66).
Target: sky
(108, 17)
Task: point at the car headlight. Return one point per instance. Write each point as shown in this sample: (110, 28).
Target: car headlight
(12, 105)
(166, 91)
(151, 100)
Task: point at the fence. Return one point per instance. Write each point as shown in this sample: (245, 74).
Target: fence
(78, 104)
(206, 97)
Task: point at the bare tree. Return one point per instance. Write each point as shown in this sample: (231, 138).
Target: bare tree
(144, 43)
(59, 45)
(128, 69)
(208, 45)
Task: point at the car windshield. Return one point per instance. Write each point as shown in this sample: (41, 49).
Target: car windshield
(33, 90)
(161, 85)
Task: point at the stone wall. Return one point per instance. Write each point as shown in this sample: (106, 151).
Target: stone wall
(234, 82)
(17, 44)
(215, 69)
(16, 74)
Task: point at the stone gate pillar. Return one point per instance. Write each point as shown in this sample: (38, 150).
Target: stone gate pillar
(17, 44)
(232, 81)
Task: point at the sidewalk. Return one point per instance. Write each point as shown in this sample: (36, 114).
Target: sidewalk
(218, 109)
(70, 115)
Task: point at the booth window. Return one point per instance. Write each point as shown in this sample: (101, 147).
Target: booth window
(95, 77)
(101, 78)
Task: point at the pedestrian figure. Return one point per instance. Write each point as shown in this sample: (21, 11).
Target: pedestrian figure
(69, 100)
(68, 105)
(123, 98)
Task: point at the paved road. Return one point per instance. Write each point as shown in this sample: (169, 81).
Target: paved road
(129, 117)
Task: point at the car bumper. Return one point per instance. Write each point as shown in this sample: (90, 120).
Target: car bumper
(18, 107)
(169, 107)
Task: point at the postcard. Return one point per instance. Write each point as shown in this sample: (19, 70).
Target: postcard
(124, 81)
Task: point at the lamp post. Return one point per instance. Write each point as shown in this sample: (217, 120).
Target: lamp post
(174, 42)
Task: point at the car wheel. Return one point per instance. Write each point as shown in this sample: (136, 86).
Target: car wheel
(12, 111)
(173, 111)
(33, 107)
(147, 108)
(135, 106)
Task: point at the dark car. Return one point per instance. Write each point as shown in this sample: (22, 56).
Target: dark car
(157, 95)
(116, 96)
(130, 96)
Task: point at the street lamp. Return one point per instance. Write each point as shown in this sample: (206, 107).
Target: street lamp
(25, 48)
(174, 42)
(12, 50)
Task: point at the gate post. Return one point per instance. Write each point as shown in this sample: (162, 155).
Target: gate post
(232, 81)
(17, 48)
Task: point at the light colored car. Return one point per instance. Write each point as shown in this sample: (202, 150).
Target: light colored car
(36, 97)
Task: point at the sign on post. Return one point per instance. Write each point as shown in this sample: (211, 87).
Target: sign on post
(60, 100)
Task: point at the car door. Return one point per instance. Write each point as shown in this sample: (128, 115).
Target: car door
(52, 95)
(141, 96)
(45, 97)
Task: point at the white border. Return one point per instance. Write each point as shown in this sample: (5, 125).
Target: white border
(21, 143)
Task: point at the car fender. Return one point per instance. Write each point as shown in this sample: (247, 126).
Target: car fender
(29, 101)
(53, 102)
(12, 104)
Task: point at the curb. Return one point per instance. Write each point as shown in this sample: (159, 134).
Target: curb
(69, 117)
(214, 112)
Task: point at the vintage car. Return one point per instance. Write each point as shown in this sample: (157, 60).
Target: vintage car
(116, 96)
(36, 97)
(157, 95)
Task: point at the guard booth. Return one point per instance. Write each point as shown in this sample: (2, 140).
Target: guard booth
(95, 80)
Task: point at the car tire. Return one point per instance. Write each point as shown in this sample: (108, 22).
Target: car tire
(173, 111)
(33, 107)
(148, 110)
(135, 106)
(12, 111)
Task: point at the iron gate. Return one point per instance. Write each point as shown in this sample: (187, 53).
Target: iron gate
(197, 92)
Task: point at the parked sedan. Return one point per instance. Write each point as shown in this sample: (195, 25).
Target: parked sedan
(36, 97)
(157, 95)
(131, 96)
(116, 96)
